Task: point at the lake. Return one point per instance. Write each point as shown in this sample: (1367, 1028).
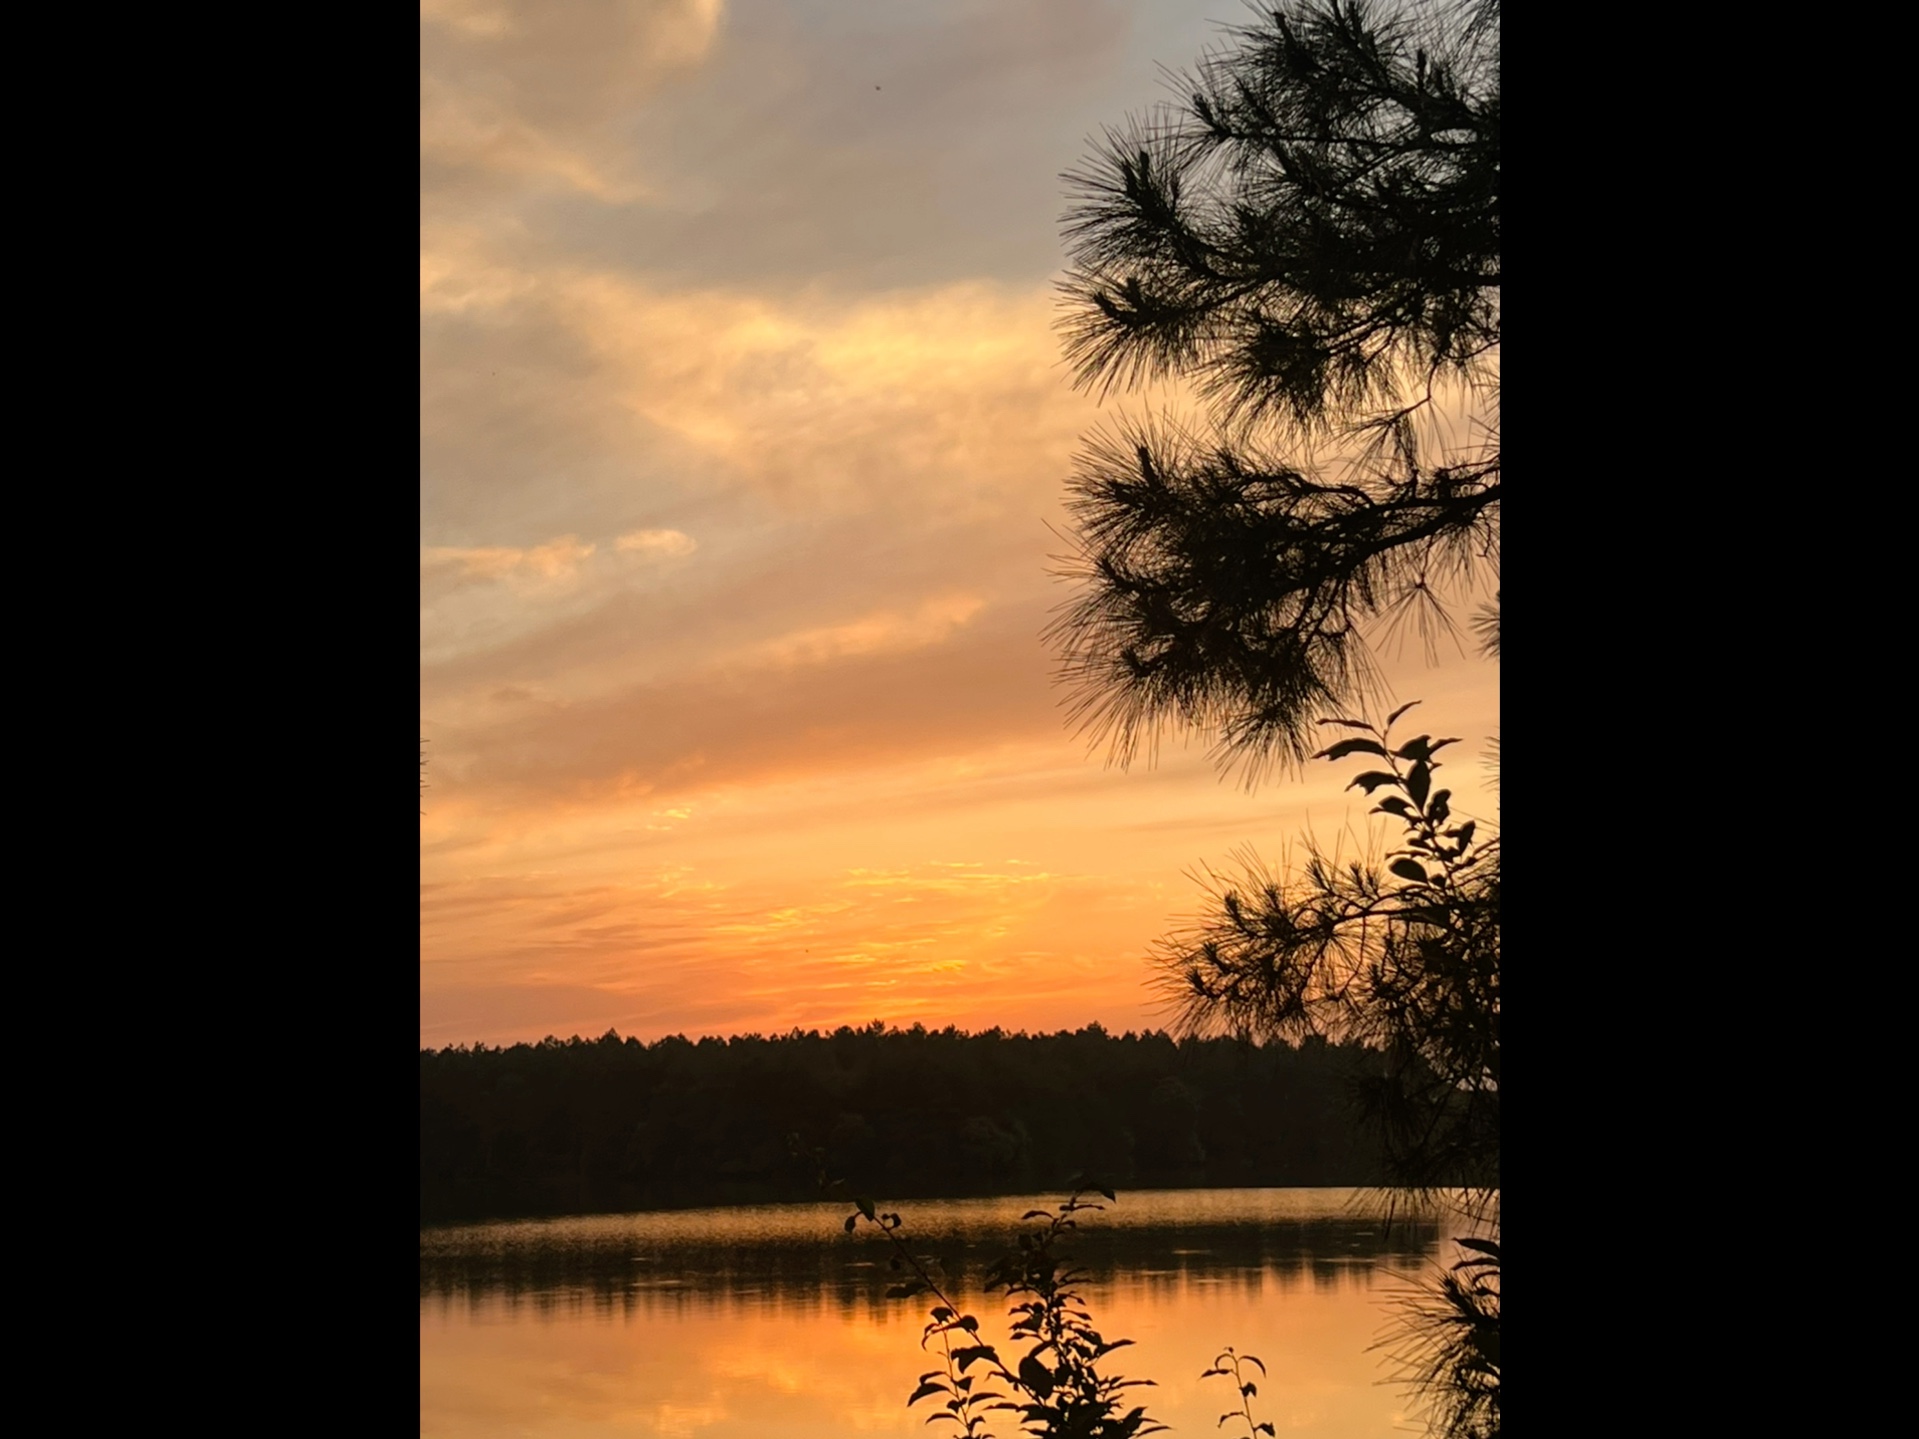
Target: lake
(772, 1320)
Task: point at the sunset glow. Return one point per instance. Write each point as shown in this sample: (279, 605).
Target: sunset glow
(744, 439)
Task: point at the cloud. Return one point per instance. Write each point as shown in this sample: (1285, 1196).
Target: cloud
(534, 90)
(886, 632)
(937, 400)
(862, 478)
(480, 599)
(656, 542)
(836, 402)
(924, 944)
(942, 678)
(553, 566)
(458, 273)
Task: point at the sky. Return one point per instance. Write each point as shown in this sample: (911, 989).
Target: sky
(744, 437)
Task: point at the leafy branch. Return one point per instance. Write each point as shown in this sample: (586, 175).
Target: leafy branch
(1229, 1365)
(1056, 1387)
(1402, 956)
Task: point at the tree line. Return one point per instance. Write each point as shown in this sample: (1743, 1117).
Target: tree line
(582, 1126)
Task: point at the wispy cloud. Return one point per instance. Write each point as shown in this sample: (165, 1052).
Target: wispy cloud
(656, 542)
(555, 564)
(533, 90)
(884, 632)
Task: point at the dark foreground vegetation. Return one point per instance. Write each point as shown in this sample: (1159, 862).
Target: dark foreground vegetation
(581, 1126)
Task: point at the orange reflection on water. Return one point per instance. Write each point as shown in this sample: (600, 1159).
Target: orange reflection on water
(784, 1366)
(677, 1350)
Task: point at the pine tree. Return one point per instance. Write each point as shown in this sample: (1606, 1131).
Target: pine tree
(1311, 243)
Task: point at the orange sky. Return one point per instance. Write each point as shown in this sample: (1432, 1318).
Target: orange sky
(742, 427)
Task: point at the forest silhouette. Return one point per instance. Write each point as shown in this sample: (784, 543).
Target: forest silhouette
(580, 1126)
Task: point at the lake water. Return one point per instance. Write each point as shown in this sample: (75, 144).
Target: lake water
(772, 1321)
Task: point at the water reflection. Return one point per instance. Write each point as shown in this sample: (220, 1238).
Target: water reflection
(798, 1257)
(723, 1324)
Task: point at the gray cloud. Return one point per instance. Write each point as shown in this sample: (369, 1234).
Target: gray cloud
(986, 683)
(532, 92)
